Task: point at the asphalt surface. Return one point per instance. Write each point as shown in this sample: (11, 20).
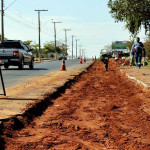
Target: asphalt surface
(14, 76)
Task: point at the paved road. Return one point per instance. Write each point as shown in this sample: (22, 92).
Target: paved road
(13, 76)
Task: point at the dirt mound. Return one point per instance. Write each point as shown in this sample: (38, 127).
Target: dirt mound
(123, 62)
(102, 110)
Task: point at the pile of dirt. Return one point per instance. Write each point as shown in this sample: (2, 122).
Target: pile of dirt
(102, 110)
(123, 62)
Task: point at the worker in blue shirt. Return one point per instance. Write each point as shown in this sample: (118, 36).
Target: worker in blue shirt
(136, 50)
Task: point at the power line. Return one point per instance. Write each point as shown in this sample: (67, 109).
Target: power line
(25, 25)
(19, 22)
(10, 5)
(45, 23)
(21, 17)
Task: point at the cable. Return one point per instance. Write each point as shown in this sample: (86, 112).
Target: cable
(26, 25)
(45, 24)
(19, 22)
(10, 5)
(21, 17)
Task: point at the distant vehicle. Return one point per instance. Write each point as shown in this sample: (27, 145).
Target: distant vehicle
(16, 53)
(61, 57)
(104, 51)
(119, 46)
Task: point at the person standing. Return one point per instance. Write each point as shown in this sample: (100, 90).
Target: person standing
(105, 59)
(137, 49)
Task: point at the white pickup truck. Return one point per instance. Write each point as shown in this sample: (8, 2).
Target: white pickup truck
(16, 53)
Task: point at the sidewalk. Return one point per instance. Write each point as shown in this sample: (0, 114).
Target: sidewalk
(26, 94)
(141, 76)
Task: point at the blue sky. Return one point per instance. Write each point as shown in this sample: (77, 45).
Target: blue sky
(89, 21)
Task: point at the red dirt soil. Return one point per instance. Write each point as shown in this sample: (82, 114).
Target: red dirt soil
(101, 111)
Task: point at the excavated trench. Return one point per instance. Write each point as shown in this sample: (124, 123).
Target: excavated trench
(18, 122)
(99, 110)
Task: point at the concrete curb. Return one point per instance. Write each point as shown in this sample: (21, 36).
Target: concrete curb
(135, 79)
(138, 81)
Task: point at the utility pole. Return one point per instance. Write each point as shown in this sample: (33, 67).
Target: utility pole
(72, 45)
(54, 22)
(39, 22)
(80, 49)
(83, 53)
(77, 47)
(66, 38)
(2, 20)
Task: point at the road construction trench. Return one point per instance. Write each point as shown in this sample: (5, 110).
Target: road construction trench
(101, 110)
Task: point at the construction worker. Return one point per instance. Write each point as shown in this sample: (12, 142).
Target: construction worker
(132, 58)
(105, 59)
(137, 49)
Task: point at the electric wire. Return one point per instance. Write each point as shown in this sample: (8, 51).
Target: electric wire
(10, 5)
(21, 23)
(31, 27)
(26, 25)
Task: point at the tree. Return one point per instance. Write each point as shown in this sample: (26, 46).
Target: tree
(134, 13)
(4, 37)
(28, 43)
(129, 44)
(147, 47)
(49, 47)
(35, 50)
(61, 48)
(32, 45)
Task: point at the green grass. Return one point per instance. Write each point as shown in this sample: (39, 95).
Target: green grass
(148, 63)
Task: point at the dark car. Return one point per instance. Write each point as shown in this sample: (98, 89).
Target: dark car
(61, 57)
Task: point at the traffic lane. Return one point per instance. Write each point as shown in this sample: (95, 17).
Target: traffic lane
(14, 76)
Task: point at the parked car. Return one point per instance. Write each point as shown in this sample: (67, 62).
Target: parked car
(16, 53)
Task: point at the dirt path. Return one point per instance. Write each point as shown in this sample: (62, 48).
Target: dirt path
(101, 111)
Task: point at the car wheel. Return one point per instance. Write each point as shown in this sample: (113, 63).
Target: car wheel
(6, 66)
(21, 65)
(31, 66)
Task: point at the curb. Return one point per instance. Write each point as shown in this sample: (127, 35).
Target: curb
(138, 81)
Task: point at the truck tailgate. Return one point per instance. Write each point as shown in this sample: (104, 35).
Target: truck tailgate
(6, 52)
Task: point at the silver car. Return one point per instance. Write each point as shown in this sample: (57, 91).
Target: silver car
(16, 53)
